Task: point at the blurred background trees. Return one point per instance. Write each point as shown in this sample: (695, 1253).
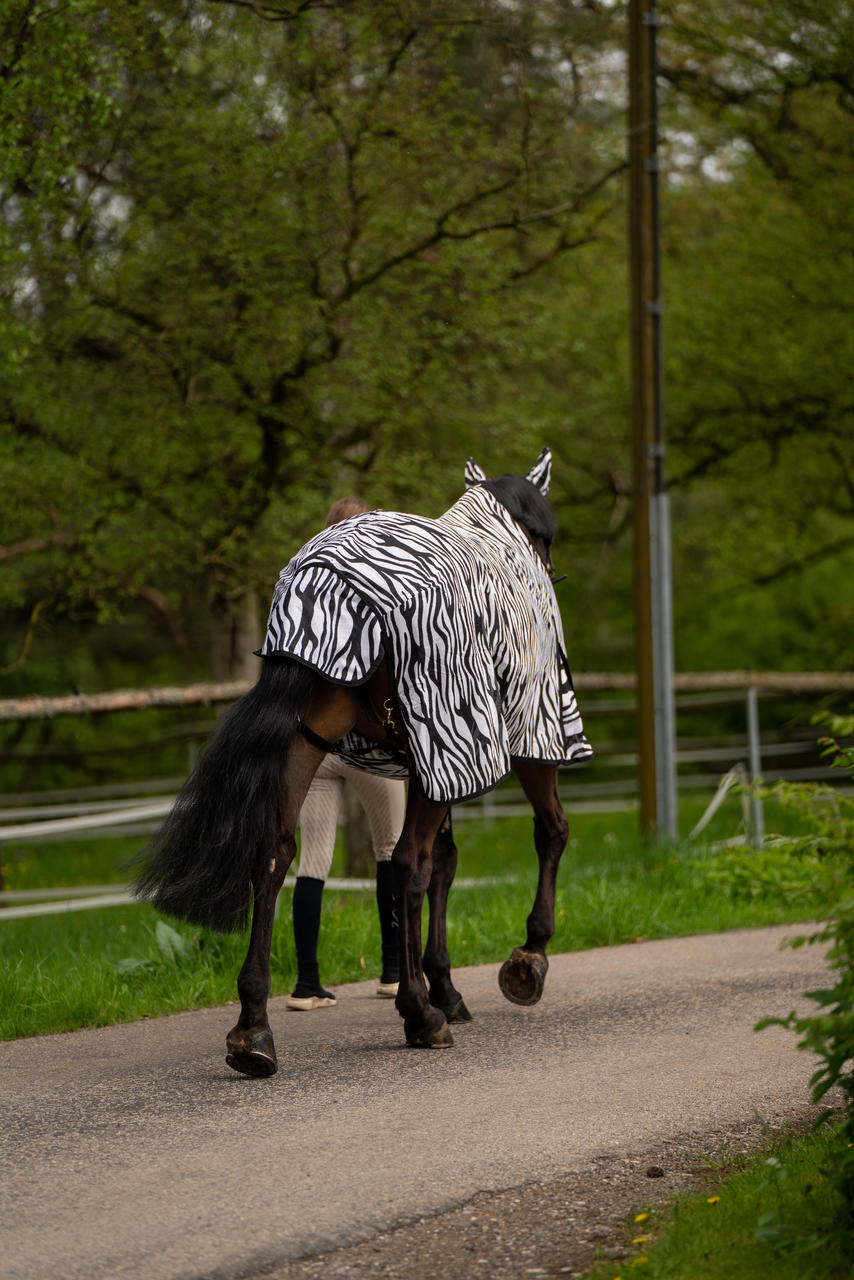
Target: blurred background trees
(254, 256)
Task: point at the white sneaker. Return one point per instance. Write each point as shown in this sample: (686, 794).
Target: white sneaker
(310, 1002)
(387, 989)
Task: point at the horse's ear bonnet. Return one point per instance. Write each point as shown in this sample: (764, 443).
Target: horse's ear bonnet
(541, 472)
(474, 474)
(539, 475)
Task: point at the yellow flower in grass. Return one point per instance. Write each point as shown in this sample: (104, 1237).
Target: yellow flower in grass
(713, 1200)
(640, 1239)
(641, 1217)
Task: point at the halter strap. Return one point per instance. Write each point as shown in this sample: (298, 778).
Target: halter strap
(315, 738)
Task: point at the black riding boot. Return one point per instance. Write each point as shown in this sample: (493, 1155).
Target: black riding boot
(306, 914)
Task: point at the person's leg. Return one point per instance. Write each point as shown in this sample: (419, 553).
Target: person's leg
(384, 802)
(308, 992)
(318, 822)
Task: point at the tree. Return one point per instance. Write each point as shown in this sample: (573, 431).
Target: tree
(282, 254)
(272, 252)
(762, 327)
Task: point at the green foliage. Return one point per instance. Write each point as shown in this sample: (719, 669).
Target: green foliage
(798, 871)
(293, 293)
(760, 131)
(383, 237)
(173, 949)
(829, 1032)
(247, 265)
(63, 70)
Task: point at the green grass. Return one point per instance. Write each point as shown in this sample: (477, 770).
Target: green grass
(90, 968)
(68, 863)
(766, 1215)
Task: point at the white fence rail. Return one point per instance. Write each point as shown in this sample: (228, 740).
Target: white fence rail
(134, 810)
(138, 809)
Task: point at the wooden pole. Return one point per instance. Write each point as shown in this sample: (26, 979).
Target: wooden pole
(645, 314)
(35, 707)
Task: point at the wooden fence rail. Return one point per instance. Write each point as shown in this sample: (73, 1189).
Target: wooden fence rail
(35, 707)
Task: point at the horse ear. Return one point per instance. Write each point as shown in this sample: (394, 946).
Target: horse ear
(474, 473)
(541, 472)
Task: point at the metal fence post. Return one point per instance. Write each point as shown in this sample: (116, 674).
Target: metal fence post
(665, 700)
(758, 832)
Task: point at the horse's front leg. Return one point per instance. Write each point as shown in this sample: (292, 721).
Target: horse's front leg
(437, 961)
(523, 976)
(412, 861)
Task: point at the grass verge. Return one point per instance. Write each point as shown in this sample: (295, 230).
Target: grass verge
(91, 968)
(763, 1215)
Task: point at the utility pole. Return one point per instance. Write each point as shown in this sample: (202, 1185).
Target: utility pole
(653, 610)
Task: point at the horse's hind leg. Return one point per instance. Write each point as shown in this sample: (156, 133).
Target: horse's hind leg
(412, 862)
(249, 1044)
(522, 977)
(437, 961)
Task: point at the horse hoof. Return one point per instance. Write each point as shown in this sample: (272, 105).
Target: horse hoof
(251, 1053)
(458, 1012)
(523, 976)
(452, 1005)
(434, 1033)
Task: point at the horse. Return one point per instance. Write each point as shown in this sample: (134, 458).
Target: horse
(430, 649)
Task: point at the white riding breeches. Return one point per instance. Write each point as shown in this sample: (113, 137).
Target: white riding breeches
(384, 802)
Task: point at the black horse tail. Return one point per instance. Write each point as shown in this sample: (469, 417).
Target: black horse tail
(228, 817)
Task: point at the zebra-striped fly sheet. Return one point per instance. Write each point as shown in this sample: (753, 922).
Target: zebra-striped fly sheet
(465, 613)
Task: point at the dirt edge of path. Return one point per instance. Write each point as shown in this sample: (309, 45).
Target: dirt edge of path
(548, 1230)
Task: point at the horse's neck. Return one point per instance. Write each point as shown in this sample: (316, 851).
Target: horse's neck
(480, 515)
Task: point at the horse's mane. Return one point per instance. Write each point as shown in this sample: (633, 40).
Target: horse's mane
(526, 504)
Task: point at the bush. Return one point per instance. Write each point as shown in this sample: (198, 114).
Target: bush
(830, 1032)
(799, 870)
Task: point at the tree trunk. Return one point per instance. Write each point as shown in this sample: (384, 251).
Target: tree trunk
(359, 852)
(235, 634)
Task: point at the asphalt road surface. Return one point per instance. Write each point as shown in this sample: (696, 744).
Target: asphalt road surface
(133, 1151)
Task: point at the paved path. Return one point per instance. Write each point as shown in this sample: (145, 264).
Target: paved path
(133, 1151)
